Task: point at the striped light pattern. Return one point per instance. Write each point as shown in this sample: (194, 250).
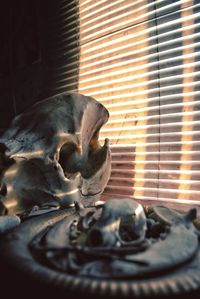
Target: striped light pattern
(141, 59)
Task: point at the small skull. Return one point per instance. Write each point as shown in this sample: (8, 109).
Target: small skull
(121, 221)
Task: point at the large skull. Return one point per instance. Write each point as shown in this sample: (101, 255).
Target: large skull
(50, 149)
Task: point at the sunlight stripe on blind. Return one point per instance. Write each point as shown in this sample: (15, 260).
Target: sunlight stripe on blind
(141, 60)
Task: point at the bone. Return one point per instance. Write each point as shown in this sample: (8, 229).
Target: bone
(117, 214)
(179, 246)
(7, 223)
(35, 182)
(170, 216)
(51, 151)
(96, 171)
(49, 124)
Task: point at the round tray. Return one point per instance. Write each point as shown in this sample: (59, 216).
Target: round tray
(14, 251)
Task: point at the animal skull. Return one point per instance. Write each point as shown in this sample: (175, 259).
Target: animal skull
(46, 149)
(119, 218)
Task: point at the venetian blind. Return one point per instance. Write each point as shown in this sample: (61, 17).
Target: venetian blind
(141, 60)
(61, 51)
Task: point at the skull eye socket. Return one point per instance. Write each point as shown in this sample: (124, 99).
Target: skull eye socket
(3, 209)
(68, 158)
(3, 190)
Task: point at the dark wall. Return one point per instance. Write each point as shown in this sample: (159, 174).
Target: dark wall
(31, 52)
(21, 57)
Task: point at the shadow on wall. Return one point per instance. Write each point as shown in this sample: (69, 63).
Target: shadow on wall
(62, 46)
(20, 58)
(39, 53)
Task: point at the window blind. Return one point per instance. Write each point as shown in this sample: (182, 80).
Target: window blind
(141, 60)
(61, 50)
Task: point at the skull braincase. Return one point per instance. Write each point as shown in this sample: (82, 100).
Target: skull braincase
(56, 140)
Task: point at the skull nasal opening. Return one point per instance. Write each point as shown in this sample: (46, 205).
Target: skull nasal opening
(96, 237)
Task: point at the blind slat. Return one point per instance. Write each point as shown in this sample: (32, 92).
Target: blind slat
(141, 60)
